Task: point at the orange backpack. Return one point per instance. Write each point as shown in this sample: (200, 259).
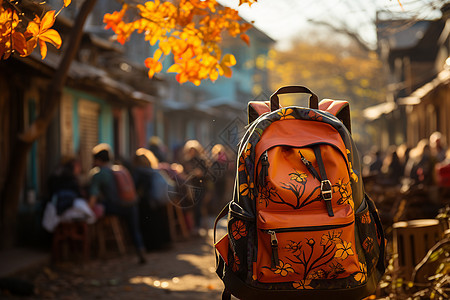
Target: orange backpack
(125, 185)
(299, 223)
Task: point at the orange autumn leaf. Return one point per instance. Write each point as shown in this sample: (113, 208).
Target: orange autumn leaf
(20, 43)
(229, 60)
(189, 30)
(10, 39)
(153, 65)
(41, 32)
(213, 75)
(112, 20)
(245, 38)
(249, 2)
(8, 20)
(174, 69)
(225, 70)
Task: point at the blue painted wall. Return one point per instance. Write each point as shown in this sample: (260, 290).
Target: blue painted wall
(105, 121)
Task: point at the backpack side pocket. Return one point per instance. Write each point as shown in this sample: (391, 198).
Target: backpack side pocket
(239, 234)
(371, 235)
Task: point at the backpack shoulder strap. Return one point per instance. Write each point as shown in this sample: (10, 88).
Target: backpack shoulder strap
(338, 108)
(257, 108)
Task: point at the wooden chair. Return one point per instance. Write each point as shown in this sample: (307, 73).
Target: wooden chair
(106, 229)
(70, 237)
(411, 241)
(177, 223)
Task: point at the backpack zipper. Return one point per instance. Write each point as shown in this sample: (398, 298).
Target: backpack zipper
(309, 166)
(264, 172)
(274, 240)
(274, 244)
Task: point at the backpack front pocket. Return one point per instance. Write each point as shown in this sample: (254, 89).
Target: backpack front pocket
(304, 252)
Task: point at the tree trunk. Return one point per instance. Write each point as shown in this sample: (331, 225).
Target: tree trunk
(17, 164)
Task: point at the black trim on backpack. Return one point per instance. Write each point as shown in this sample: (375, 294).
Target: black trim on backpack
(325, 185)
(241, 290)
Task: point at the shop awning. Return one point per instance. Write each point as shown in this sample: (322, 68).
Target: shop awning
(417, 96)
(374, 112)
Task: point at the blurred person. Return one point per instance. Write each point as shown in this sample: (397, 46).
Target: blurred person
(221, 163)
(65, 178)
(420, 165)
(66, 196)
(152, 188)
(391, 169)
(377, 162)
(442, 171)
(158, 149)
(421, 193)
(103, 191)
(195, 165)
(437, 145)
(403, 155)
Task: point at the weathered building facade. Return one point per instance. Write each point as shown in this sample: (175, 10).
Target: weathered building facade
(416, 56)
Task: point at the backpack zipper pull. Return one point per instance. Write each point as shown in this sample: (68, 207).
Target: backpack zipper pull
(327, 195)
(274, 245)
(264, 169)
(309, 166)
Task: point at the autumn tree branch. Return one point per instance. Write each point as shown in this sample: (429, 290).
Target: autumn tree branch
(39, 126)
(346, 31)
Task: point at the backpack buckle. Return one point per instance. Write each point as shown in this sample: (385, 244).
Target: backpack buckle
(325, 188)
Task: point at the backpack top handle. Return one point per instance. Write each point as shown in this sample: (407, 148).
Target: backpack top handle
(291, 89)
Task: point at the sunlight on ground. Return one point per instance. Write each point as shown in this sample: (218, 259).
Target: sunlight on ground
(188, 282)
(184, 283)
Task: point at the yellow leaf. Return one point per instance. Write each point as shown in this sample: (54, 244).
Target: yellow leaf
(153, 39)
(175, 69)
(157, 55)
(67, 2)
(33, 27)
(226, 70)
(48, 20)
(51, 36)
(153, 65)
(181, 77)
(165, 47)
(229, 60)
(213, 75)
(43, 48)
(249, 2)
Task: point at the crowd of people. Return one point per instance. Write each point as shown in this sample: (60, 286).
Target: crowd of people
(409, 182)
(406, 183)
(195, 182)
